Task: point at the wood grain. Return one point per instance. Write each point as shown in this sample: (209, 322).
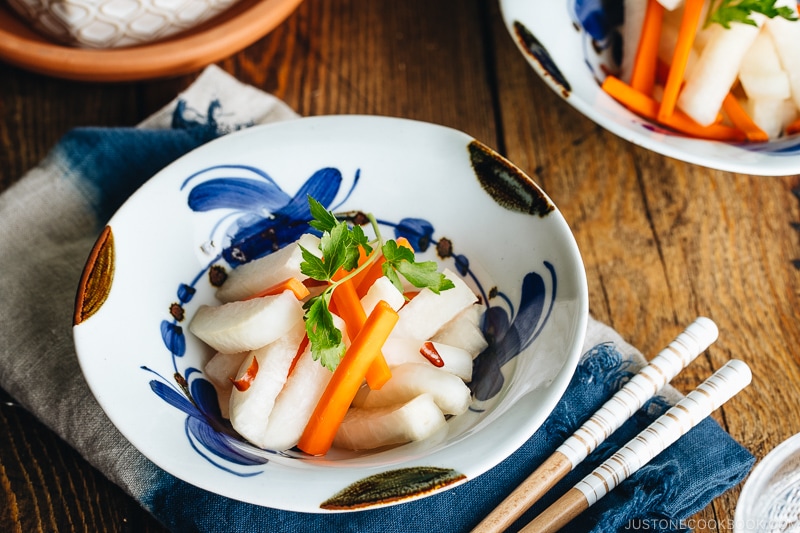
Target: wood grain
(663, 241)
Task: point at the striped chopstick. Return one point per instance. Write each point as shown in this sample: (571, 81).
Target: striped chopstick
(655, 438)
(693, 341)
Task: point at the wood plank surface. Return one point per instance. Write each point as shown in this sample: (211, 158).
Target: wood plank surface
(663, 241)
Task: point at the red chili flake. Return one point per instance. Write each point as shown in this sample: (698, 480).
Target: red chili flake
(243, 383)
(429, 352)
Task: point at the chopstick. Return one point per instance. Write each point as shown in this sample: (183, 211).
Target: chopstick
(655, 438)
(662, 368)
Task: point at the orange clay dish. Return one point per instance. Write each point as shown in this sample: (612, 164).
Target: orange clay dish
(232, 30)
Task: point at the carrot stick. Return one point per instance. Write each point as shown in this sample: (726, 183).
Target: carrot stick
(348, 307)
(643, 73)
(648, 108)
(321, 429)
(742, 120)
(291, 284)
(686, 33)
(793, 127)
(372, 274)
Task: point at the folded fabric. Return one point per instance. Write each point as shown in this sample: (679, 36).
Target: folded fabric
(52, 217)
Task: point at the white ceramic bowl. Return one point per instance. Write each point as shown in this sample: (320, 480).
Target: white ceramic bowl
(770, 499)
(115, 23)
(151, 269)
(570, 45)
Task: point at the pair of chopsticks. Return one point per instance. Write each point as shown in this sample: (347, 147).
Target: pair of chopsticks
(665, 430)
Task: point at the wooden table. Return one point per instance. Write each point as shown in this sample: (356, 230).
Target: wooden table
(663, 241)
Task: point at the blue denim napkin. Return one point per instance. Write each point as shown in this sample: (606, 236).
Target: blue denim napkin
(52, 217)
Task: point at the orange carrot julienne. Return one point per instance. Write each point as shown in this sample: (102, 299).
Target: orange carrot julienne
(742, 120)
(321, 428)
(372, 273)
(348, 307)
(793, 127)
(686, 33)
(643, 73)
(291, 284)
(648, 108)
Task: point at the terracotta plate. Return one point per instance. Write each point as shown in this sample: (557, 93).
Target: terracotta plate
(240, 26)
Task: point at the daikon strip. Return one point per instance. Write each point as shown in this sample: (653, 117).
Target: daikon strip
(716, 71)
(250, 408)
(246, 325)
(455, 360)
(761, 74)
(671, 5)
(412, 379)
(295, 403)
(366, 429)
(251, 278)
(785, 35)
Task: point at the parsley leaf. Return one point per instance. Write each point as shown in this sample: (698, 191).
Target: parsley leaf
(324, 336)
(421, 275)
(342, 246)
(729, 11)
(323, 219)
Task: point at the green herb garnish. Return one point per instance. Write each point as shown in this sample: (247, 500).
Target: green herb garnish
(729, 11)
(340, 246)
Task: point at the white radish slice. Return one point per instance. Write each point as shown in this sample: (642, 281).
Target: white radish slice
(671, 5)
(422, 317)
(463, 331)
(220, 370)
(716, 70)
(771, 115)
(246, 325)
(766, 85)
(761, 74)
(412, 379)
(456, 360)
(382, 289)
(295, 403)
(223, 367)
(785, 35)
(366, 429)
(250, 409)
(259, 274)
(298, 398)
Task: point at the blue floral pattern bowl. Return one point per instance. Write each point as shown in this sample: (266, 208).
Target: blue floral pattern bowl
(245, 195)
(574, 44)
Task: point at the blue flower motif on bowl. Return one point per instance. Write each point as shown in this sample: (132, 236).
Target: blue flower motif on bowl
(257, 218)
